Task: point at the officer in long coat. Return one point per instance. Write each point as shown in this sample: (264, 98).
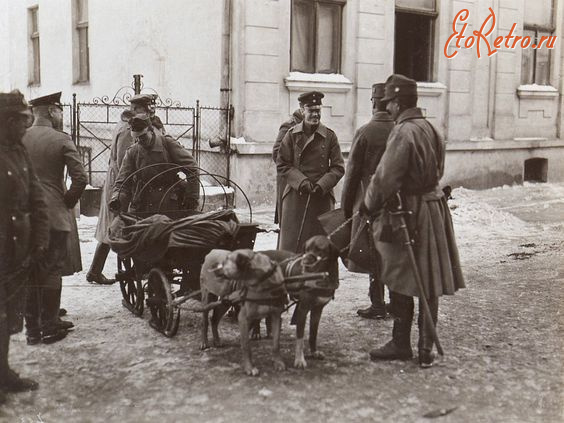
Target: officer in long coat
(296, 118)
(366, 151)
(24, 229)
(51, 150)
(412, 164)
(311, 162)
(121, 141)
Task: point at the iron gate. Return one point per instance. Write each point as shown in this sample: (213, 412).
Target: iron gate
(202, 129)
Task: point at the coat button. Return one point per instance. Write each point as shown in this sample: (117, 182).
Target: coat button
(13, 218)
(15, 238)
(25, 169)
(9, 173)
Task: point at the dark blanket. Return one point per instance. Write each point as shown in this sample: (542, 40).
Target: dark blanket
(149, 239)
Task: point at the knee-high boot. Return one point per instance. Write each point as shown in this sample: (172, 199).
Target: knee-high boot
(10, 381)
(51, 329)
(95, 273)
(33, 315)
(399, 348)
(425, 344)
(377, 309)
(65, 324)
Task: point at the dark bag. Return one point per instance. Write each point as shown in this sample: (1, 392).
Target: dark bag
(362, 250)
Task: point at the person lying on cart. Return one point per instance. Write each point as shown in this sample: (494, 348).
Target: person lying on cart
(148, 182)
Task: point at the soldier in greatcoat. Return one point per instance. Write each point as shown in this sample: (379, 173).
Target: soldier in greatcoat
(310, 161)
(296, 118)
(51, 151)
(148, 193)
(366, 151)
(121, 141)
(145, 192)
(412, 165)
(24, 230)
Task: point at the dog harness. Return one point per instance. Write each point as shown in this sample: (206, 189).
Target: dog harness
(276, 296)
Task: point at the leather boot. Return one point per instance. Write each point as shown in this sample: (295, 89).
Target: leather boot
(9, 380)
(65, 324)
(33, 316)
(377, 309)
(399, 348)
(51, 329)
(14, 383)
(95, 275)
(425, 344)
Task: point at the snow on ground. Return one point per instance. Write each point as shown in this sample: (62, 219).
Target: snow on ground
(502, 340)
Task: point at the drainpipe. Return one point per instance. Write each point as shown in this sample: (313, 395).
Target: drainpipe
(225, 89)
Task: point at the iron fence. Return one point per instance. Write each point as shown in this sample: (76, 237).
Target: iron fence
(202, 129)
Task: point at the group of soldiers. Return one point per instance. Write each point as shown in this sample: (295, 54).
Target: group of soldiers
(394, 167)
(397, 157)
(38, 235)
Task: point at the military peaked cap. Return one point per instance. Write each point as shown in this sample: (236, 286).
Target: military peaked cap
(378, 90)
(47, 100)
(13, 102)
(143, 99)
(311, 98)
(399, 86)
(139, 123)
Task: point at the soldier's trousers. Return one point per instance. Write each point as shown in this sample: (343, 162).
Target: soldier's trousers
(44, 294)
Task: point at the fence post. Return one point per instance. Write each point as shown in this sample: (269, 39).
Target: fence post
(73, 120)
(230, 114)
(137, 83)
(196, 142)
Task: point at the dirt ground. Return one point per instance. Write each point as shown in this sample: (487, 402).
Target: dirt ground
(502, 337)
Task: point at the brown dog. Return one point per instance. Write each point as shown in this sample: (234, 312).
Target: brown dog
(320, 256)
(256, 283)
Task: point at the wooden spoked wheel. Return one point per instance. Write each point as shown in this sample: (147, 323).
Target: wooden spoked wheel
(131, 288)
(165, 317)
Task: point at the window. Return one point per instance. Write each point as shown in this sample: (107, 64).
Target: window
(81, 56)
(316, 35)
(34, 56)
(414, 35)
(535, 63)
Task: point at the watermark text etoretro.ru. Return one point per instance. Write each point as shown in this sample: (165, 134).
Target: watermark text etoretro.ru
(479, 38)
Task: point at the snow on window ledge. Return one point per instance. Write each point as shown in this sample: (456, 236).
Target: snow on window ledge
(534, 91)
(324, 82)
(431, 89)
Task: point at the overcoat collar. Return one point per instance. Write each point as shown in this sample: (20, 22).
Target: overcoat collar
(321, 129)
(158, 146)
(381, 117)
(413, 113)
(41, 121)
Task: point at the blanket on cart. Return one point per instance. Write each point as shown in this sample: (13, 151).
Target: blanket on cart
(150, 238)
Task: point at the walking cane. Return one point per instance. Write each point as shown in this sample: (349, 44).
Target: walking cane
(303, 222)
(400, 213)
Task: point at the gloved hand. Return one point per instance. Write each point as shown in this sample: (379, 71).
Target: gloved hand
(114, 205)
(306, 187)
(317, 190)
(70, 200)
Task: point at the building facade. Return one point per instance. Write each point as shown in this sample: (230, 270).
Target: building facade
(501, 114)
